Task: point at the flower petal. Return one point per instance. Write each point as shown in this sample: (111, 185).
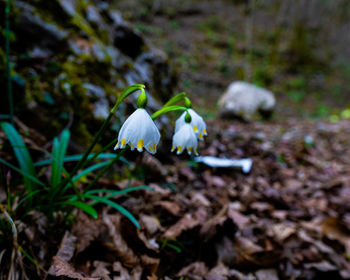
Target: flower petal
(139, 131)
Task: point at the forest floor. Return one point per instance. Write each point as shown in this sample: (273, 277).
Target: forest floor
(287, 219)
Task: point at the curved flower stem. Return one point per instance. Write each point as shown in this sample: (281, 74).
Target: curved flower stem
(175, 99)
(165, 110)
(129, 90)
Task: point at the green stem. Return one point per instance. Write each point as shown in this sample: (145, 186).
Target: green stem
(8, 66)
(165, 110)
(129, 90)
(175, 99)
(109, 145)
(104, 170)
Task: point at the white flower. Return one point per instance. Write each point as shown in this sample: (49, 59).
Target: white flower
(139, 131)
(185, 138)
(197, 123)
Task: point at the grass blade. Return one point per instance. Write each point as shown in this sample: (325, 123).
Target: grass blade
(24, 173)
(78, 157)
(22, 155)
(113, 193)
(83, 206)
(116, 206)
(89, 170)
(58, 152)
(54, 163)
(29, 195)
(120, 192)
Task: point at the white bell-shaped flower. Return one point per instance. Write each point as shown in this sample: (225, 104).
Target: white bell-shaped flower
(185, 138)
(139, 131)
(197, 123)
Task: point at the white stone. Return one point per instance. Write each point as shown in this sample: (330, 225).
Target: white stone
(242, 99)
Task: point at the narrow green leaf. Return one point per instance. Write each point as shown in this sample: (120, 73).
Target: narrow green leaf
(174, 247)
(83, 206)
(116, 206)
(58, 152)
(54, 162)
(78, 157)
(29, 195)
(120, 192)
(113, 193)
(25, 174)
(23, 157)
(89, 170)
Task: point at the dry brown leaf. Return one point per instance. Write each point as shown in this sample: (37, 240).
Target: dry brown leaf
(199, 199)
(227, 252)
(151, 223)
(150, 263)
(189, 221)
(283, 231)
(118, 245)
(195, 271)
(266, 274)
(171, 207)
(101, 271)
(86, 230)
(209, 228)
(62, 268)
(66, 249)
(219, 272)
(67, 246)
(323, 266)
(239, 220)
(246, 247)
(332, 228)
(157, 189)
(136, 273)
(123, 272)
(149, 243)
(188, 173)
(152, 277)
(154, 164)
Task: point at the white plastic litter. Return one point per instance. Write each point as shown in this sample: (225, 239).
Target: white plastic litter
(245, 163)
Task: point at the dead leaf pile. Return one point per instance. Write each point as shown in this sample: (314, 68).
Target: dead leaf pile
(288, 219)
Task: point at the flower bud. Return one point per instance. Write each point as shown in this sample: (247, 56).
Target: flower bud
(142, 100)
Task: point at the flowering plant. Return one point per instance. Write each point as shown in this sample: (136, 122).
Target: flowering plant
(61, 192)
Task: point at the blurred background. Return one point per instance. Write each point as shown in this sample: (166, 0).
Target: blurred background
(71, 58)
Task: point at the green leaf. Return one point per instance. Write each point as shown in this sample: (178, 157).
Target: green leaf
(54, 162)
(113, 193)
(89, 170)
(116, 206)
(83, 206)
(120, 192)
(58, 152)
(22, 155)
(25, 174)
(29, 195)
(174, 247)
(78, 157)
